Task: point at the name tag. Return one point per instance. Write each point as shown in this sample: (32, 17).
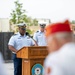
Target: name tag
(19, 38)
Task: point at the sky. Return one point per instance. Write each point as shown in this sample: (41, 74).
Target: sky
(56, 10)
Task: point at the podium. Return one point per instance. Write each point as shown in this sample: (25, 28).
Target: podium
(32, 59)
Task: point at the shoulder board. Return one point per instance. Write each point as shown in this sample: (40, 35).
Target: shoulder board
(37, 31)
(14, 34)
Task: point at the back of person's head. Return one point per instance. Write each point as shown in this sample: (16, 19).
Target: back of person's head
(58, 34)
(64, 36)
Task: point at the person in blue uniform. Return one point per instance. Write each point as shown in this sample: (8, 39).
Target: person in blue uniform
(16, 42)
(39, 36)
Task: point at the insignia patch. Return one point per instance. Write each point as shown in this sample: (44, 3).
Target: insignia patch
(39, 35)
(37, 31)
(37, 69)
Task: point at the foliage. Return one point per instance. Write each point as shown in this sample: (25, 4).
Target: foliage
(35, 22)
(29, 31)
(73, 22)
(18, 15)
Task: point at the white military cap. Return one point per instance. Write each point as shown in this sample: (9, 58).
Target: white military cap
(21, 24)
(42, 24)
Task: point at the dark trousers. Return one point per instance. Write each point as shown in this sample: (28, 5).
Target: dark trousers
(17, 65)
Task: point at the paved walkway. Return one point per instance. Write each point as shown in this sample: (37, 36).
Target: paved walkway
(10, 69)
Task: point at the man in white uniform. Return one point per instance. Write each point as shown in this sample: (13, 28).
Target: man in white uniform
(39, 36)
(61, 58)
(16, 42)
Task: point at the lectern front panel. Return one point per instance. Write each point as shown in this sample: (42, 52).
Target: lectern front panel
(32, 67)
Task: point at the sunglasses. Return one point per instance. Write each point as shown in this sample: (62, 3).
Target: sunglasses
(23, 28)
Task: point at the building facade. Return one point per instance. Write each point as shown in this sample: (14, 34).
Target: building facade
(47, 21)
(4, 25)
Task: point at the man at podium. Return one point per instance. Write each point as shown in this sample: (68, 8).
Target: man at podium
(16, 42)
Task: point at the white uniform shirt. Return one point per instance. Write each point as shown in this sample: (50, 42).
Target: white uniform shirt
(18, 41)
(3, 70)
(39, 37)
(61, 62)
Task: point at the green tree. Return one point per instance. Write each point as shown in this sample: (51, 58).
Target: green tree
(73, 22)
(13, 19)
(35, 22)
(18, 13)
